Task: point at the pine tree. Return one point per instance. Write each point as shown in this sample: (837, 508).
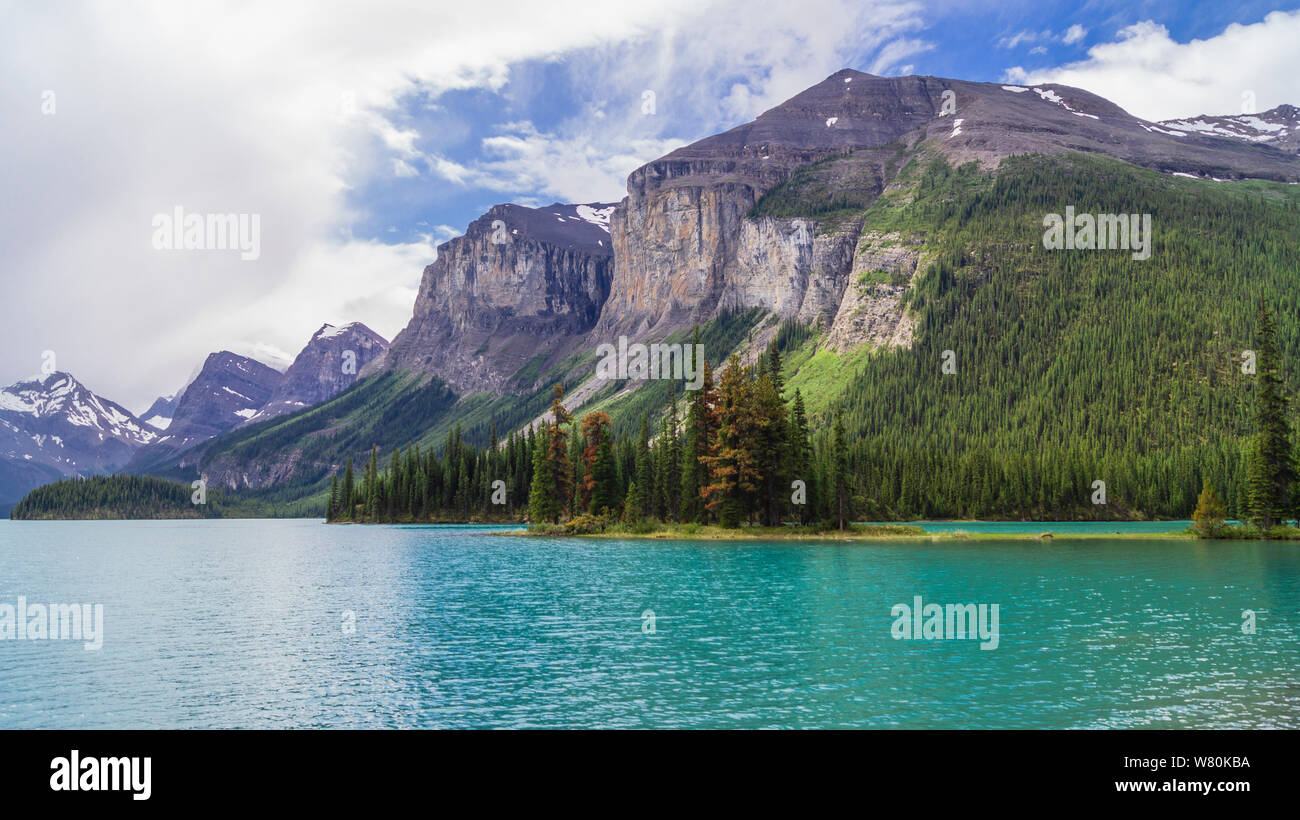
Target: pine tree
(841, 478)
(800, 455)
(542, 502)
(733, 460)
(644, 470)
(773, 444)
(331, 507)
(349, 489)
(672, 462)
(701, 426)
(599, 490)
(558, 452)
(632, 504)
(605, 494)
(1271, 473)
(1210, 511)
(371, 484)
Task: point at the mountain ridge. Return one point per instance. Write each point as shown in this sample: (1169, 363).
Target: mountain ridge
(788, 218)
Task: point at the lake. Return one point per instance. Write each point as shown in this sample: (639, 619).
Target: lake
(292, 623)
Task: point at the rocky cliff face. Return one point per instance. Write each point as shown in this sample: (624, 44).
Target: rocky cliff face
(328, 364)
(521, 283)
(768, 215)
(684, 244)
(686, 247)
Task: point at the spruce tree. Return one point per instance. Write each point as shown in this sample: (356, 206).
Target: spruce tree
(644, 470)
(841, 478)
(800, 455)
(701, 426)
(349, 482)
(331, 507)
(1271, 472)
(1210, 511)
(542, 502)
(733, 461)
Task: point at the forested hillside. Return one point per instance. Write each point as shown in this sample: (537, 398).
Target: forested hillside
(1068, 368)
(112, 497)
(1075, 366)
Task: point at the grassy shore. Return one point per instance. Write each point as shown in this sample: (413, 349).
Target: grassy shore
(856, 532)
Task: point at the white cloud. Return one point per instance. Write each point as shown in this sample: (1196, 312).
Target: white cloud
(1152, 76)
(1023, 37)
(1074, 34)
(895, 51)
(276, 109)
(704, 75)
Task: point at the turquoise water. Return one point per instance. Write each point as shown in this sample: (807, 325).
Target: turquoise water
(1098, 528)
(243, 624)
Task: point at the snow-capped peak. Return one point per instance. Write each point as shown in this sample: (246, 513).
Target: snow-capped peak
(58, 395)
(328, 331)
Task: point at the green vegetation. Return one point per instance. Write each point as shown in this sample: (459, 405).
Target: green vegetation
(120, 496)
(421, 486)
(833, 191)
(719, 336)
(739, 454)
(1071, 367)
(592, 525)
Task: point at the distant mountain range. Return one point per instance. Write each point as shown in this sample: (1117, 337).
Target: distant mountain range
(53, 427)
(790, 222)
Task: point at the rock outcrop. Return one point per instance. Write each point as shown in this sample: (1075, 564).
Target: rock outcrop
(522, 283)
(766, 215)
(328, 364)
(229, 390)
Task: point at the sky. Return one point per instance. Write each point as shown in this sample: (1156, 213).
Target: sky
(359, 136)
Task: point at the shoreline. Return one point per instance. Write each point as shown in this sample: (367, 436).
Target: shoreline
(891, 533)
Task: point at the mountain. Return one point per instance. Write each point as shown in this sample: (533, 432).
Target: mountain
(160, 413)
(327, 365)
(1278, 127)
(521, 287)
(687, 243)
(53, 426)
(228, 390)
(866, 226)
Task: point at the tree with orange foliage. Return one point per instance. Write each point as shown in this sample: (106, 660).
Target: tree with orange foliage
(599, 480)
(733, 461)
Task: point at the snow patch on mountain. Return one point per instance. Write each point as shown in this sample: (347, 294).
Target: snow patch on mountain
(158, 422)
(1051, 96)
(596, 216)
